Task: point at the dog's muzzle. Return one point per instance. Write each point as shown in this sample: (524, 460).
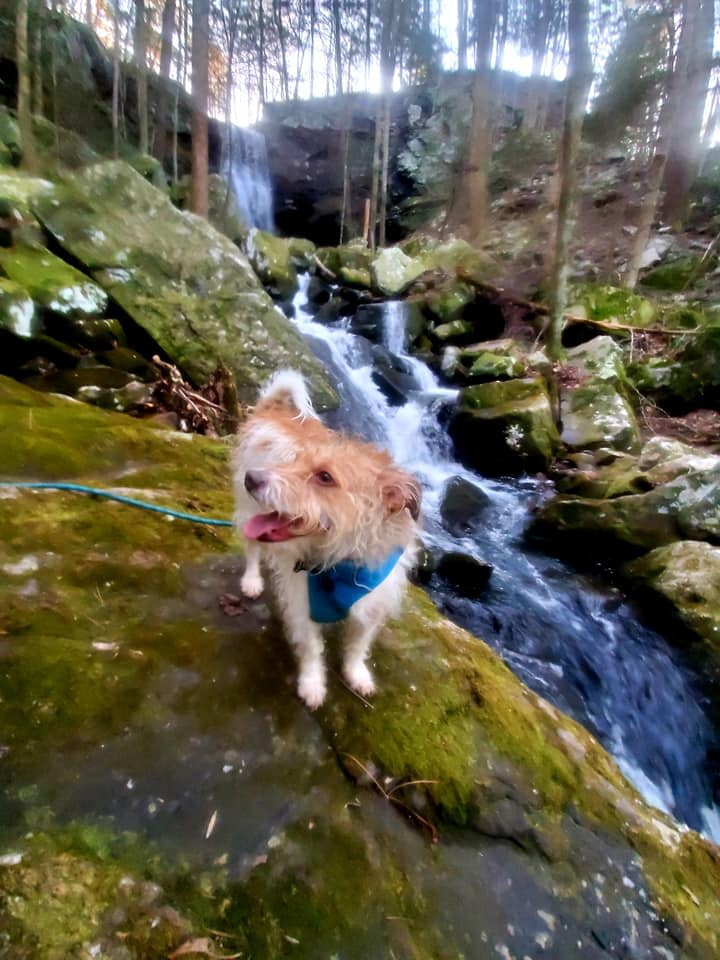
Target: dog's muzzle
(254, 481)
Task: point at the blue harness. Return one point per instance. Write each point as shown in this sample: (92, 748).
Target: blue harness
(333, 591)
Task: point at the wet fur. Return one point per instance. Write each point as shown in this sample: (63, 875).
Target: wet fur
(370, 509)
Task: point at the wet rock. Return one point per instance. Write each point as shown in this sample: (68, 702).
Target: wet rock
(448, 303)
(671, 492)
(463, 505)
(56, 288)
(499, 360)
(302, 252)
(687, 575)
(223, 211)
(186, 285)
(596, 412)
(392, 376)
(453, 330)
(271, 261)
(465, 574)
(17, 310)
(129, 397)
(394, 271)
(348, 263)
(505, 427)
(121, 358)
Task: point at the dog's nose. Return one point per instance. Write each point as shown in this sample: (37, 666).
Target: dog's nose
(253, 480)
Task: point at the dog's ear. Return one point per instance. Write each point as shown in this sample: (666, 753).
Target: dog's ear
(400, 491)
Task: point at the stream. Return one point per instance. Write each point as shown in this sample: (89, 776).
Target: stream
(579, 643)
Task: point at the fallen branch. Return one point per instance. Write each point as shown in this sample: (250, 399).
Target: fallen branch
(323, 269)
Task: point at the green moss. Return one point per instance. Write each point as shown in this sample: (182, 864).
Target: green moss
(17, 311)
(677, 275)
(448, 303)
(271, 260)
(53, 284)
(615, 304)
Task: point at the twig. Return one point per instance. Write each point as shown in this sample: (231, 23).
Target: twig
(323, 269)
(353, 692)
(392, 799)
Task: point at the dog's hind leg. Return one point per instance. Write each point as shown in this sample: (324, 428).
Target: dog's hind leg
(304, 635)
(251, 582)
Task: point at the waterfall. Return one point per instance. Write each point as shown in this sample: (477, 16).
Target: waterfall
(577, 642)
(245, 165)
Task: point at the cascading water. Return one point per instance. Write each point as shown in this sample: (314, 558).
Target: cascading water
(580, 644)
(245, 164)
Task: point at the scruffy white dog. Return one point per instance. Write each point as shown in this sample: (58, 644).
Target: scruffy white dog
(333, 518)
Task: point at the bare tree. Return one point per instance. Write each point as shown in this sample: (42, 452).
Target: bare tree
(577, 88)
(462, 20)
(200, 56)
(140, 57)
(116, 79)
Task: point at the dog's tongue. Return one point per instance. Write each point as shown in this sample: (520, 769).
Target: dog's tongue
(268, 527)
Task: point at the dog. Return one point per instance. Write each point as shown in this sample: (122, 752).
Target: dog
(335, 521)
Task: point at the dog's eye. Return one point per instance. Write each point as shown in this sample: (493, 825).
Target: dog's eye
(325, 478)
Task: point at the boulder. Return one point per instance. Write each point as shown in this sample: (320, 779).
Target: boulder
(19, 189)
(271, 260)
(447, 302)
(58, 290)
(182, 282)
(462, 507)
(302, 252)
(615, 304)
(465, 574)
(394, 271)
(596, 412)
(671, 492)
(687, 575)
(17, 310)
(125, 632)
(452, 330)
(505, 427)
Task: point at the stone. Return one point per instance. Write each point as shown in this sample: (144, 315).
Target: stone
(687, 575)
(56, 288)
(462, 507)
(189, 287)
(596, 412)
(505, 427)
(20, 189)
(394, 271)
(453, 330)
(10, 136)
(355, 256)
(466, 575)
(112, 624)
(17, 310)
(671, 492)
(447, 303)
(150, 168)
(494, 366)
(134, 394)
(613, 304)
(270, 259)
(457, 258)
(302, 252)
(223, 211)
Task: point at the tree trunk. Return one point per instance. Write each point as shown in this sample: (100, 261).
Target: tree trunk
(462, 19)
(261, 52)
(468, 205)
(284, 79)
(337, 43)
(200, 51)
(140, 56)
(385, 166)
(576, 93)
(167, 32)
(116, 80)
(38, 96)
(375, 178)
(647, 215)
(695, 49)
(368, 35)
(313, 17)
(24, 115)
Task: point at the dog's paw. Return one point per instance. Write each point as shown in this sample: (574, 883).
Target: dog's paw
(359, 678)
(252, 585)
(312, 688)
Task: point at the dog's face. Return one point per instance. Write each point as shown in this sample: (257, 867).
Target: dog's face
(311, 482)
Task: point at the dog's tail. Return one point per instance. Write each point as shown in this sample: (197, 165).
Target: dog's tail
(286, 390)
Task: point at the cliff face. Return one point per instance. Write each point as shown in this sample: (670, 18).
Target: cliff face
(428, 126)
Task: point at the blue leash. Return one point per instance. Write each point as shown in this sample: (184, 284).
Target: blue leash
(130, 501)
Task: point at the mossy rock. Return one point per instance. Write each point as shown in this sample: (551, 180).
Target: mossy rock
(696, 377)
(149, 168)
(350, 256)
(185, 284)
(671, 492)
(505, 427)
(596, 411)
(17, 310)
(457, 258)
(447, 303)
(614, 304)
(677, 275)
(302, 252)
(494, 366)
(56, 288)
(20, 189)
(271, 260)
(223, 214)
(452, 330)
(10, 136)
(356, 277)
(393, 271)
(124, 687)
(687, 575)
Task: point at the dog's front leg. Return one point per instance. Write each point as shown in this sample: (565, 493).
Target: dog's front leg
(251, 582)
(304, 635)
(360, 630)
